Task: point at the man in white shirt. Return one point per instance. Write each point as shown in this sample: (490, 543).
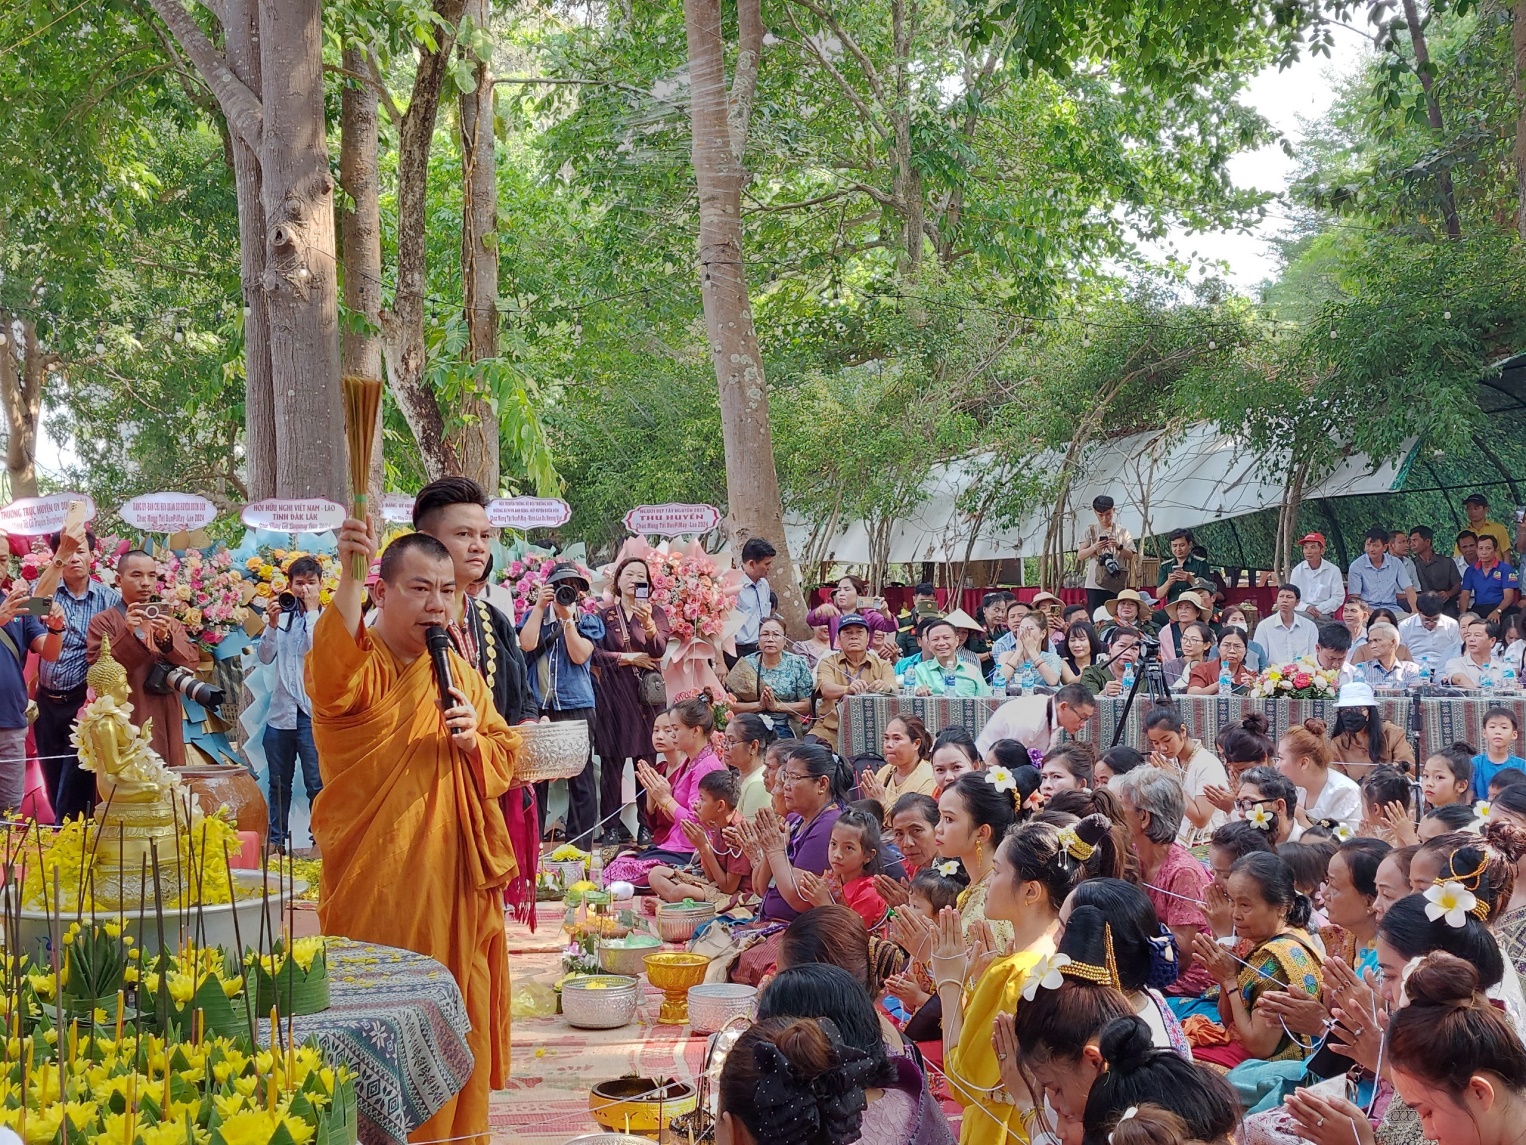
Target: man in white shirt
(1332, 650)
(1036, 721)
(1478, 661)
(756, 599)
(1433, 638)
(1321, 586)
(1285, 635)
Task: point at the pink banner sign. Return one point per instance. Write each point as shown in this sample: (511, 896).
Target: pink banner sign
(528, 512)
(397, 508)
(672, 520)
(38, 516)
(168, 512)
(281, 515)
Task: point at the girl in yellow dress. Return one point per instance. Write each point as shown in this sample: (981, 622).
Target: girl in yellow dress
(1036, 867)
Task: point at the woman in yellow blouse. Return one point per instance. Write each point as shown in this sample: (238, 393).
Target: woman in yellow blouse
(908, 747)
(1036, 867)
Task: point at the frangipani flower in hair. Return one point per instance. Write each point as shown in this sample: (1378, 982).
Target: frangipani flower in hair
(1451, 901)
(1045, 975)
(1260, 818)
(1344, 833)
(1124, 1116)
(1482, 808)
(1001, 779)
(948, 868)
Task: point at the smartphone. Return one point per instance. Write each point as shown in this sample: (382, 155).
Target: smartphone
(643, 592)
(38, 606)
(75, 515)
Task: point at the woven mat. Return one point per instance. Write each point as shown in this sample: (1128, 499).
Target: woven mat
(554, 1066)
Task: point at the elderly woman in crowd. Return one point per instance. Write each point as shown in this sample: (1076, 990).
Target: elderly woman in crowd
(773, 681)
(1155, 807)
(1203, 680)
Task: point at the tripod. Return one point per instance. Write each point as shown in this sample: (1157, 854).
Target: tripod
(1152, 677)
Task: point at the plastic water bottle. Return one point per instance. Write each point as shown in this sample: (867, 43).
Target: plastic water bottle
(948, 682)
(999, 681)
(1507, 680)
(1128, 677)
(909, 678)
(1486, 680)
(1425, 671)
(1226, 681)
(1028, 679)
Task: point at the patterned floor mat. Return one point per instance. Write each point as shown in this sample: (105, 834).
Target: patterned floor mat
(546, 1102)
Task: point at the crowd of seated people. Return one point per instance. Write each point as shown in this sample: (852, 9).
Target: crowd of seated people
(984, 939)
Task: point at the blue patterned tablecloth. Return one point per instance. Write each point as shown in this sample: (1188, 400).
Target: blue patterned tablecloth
(864, 717)
(398, 1020)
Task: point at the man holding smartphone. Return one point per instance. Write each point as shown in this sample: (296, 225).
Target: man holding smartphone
(79, 598)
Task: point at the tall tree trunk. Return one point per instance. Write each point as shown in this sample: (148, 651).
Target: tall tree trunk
(360, 240)
(241, 36)
(907, 185)
(1432, 113)
(286, 233)
(300, 285)
(478, 436)
(21, 394)
(1518, 43)
(752, 483)
(405, 325)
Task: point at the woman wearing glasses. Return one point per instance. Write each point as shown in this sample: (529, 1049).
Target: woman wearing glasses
(790, 854)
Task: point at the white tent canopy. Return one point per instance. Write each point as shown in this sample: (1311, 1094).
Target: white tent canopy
(1178, 479)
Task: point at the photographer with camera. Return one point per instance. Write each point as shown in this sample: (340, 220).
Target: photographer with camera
(1106, 549)
(558, 638)
(154, 648)
(287, 639)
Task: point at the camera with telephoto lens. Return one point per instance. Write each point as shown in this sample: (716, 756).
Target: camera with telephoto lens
(165, 678)
(566, 594)
(1110, 562)
(290, 602)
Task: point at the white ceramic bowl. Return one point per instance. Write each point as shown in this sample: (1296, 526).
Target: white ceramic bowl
(713, 1004)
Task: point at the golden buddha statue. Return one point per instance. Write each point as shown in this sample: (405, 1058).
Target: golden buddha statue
(138, 798)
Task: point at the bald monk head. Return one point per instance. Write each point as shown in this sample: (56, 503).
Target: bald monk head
(417, 589)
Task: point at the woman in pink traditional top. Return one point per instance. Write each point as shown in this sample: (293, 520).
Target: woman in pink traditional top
(671, 798)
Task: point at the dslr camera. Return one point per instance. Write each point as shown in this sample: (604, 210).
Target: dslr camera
(165, 678)
(566, 594)
(291, 602)
(1109, 561)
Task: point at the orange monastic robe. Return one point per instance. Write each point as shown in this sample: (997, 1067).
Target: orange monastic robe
(415, 850)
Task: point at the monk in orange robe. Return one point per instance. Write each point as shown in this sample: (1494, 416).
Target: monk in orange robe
(415, 849)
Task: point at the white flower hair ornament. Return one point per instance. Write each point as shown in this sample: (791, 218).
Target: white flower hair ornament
(1344, 833)
(1046, 974)
(948, 868)
(1482, 809)
(1126, 1115)
(1404, 972)
(1260, 818)
(1001, 779)
(1450, 901)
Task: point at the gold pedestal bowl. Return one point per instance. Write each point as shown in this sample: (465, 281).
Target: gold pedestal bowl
(673, 974)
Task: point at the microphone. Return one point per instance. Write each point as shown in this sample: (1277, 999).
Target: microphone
(439, 644)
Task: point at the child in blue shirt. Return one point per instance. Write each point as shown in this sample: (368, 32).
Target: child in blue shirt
(1500, 733)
